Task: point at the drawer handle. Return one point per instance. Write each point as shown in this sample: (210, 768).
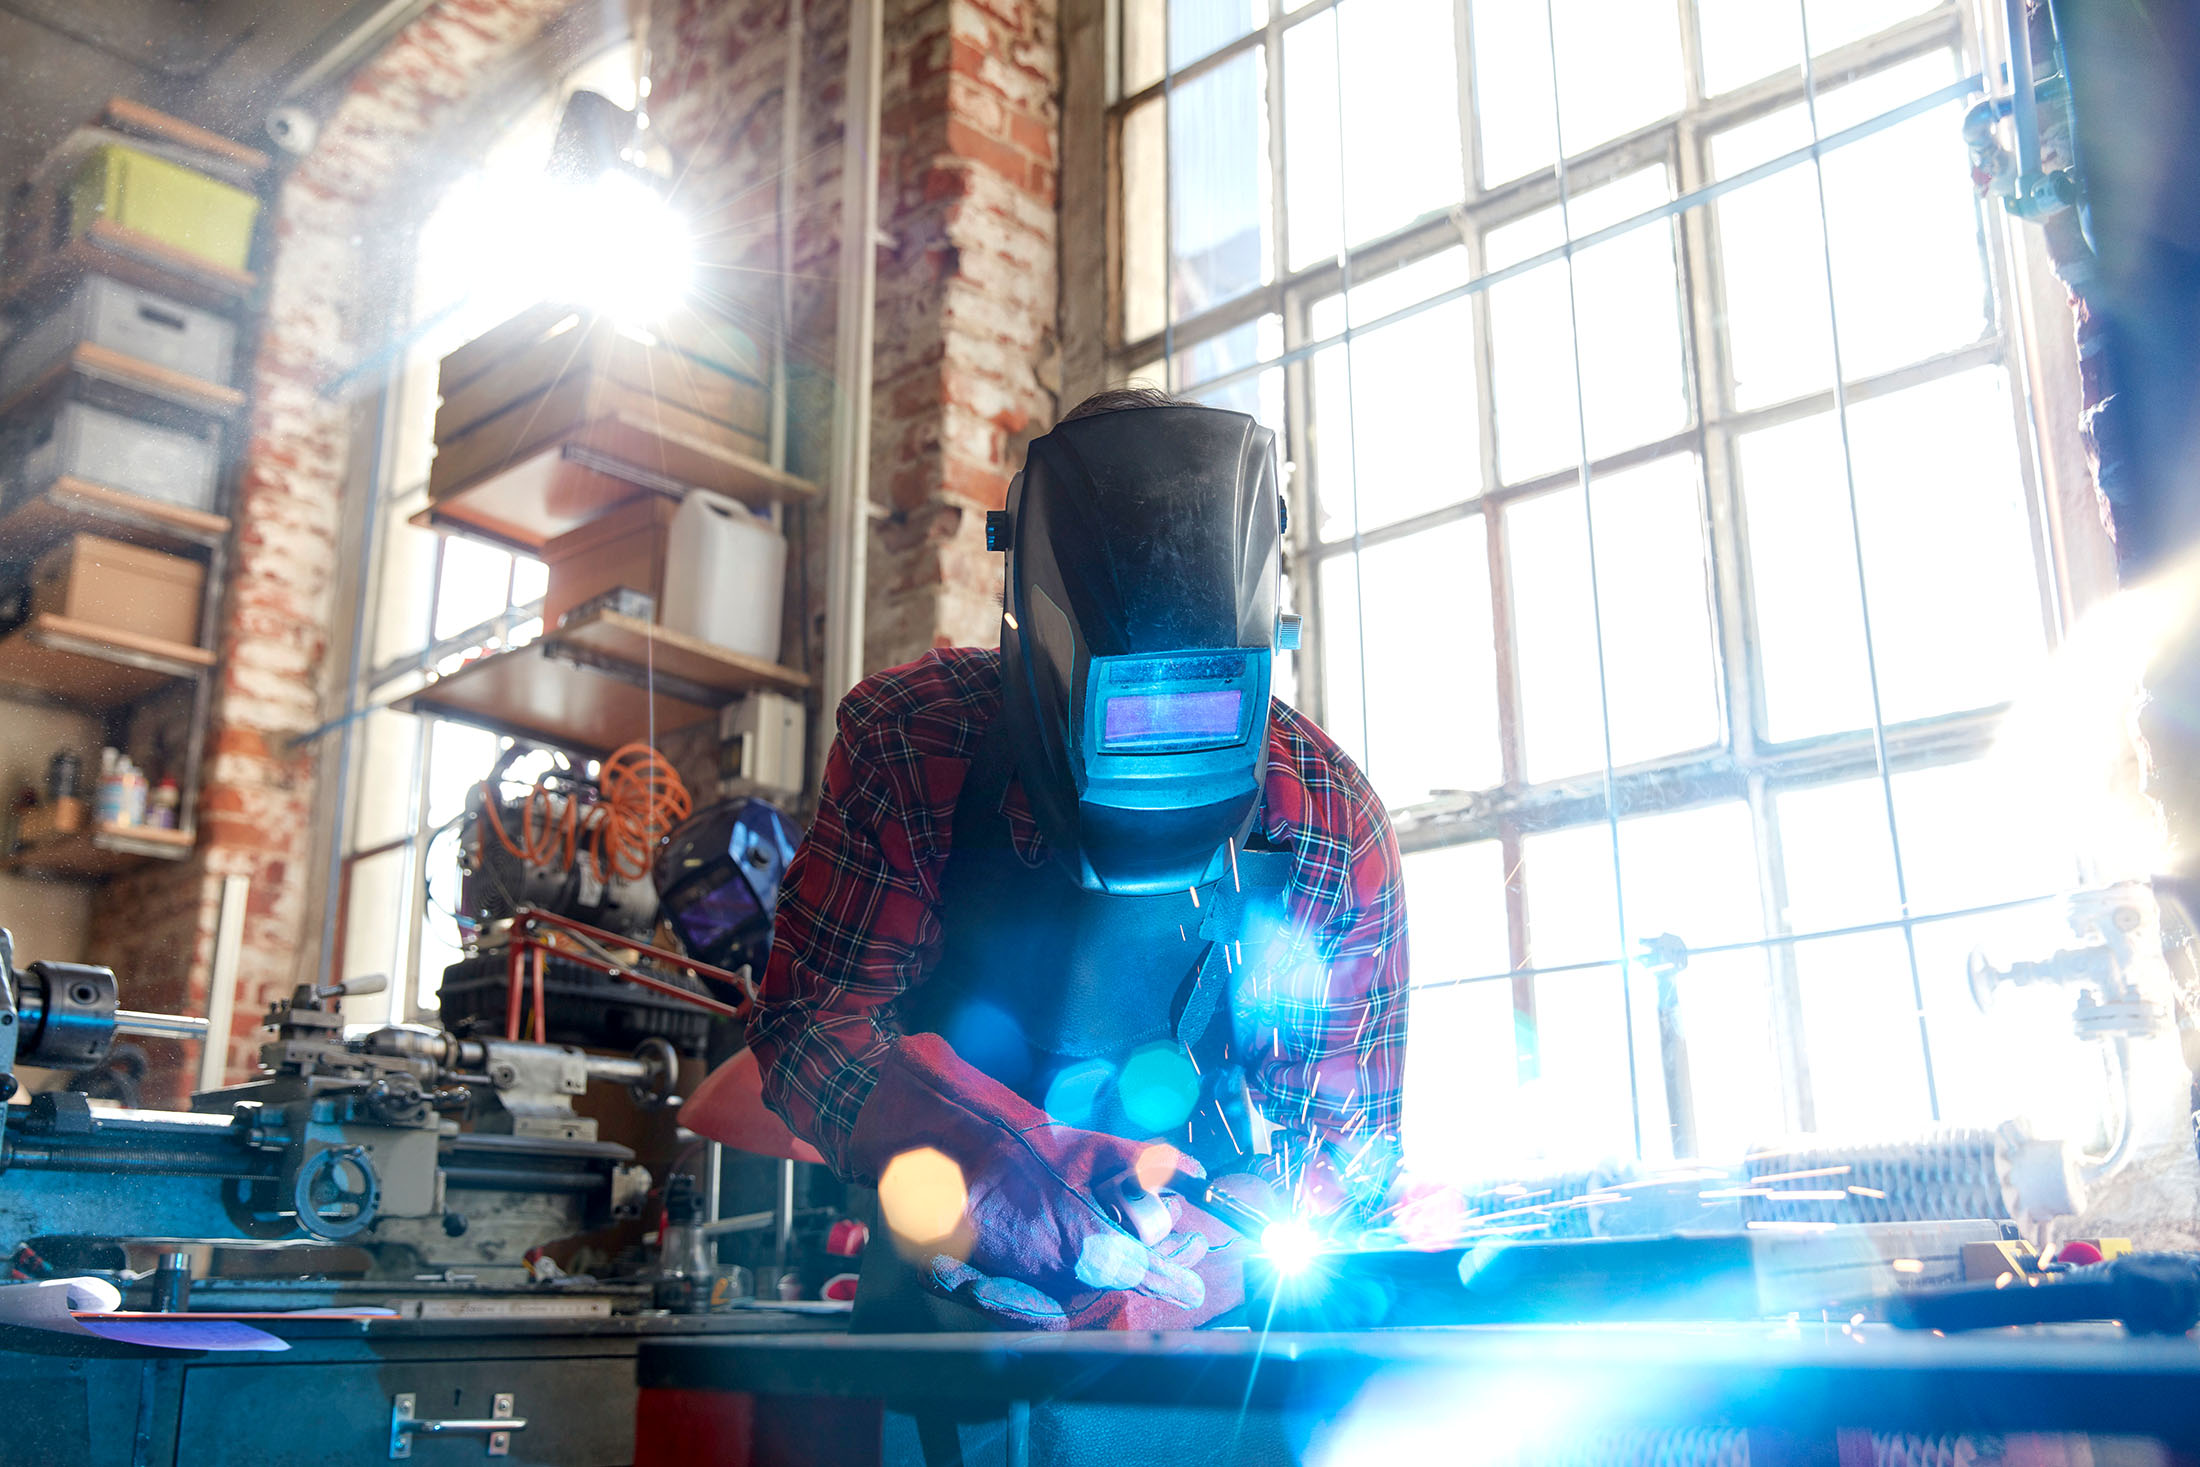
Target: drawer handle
(498, 1426)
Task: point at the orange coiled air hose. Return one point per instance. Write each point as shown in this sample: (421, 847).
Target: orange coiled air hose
(641, 797)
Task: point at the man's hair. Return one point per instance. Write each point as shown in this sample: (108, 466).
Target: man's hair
(1121, 399)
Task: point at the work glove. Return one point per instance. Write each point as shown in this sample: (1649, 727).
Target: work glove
(1059, 1227)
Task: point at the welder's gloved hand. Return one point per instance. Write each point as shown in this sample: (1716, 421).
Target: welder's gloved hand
(1040, 1200)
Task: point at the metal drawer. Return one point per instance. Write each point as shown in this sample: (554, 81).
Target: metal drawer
(579, 1412)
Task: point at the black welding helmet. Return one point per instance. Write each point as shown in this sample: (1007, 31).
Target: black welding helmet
(718, 876)
(1138, 628)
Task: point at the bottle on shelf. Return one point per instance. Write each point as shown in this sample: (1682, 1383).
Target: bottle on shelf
(165, 802)
(111, 798)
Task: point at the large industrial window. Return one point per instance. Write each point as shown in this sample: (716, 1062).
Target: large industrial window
(433, 601)
(1725, 715)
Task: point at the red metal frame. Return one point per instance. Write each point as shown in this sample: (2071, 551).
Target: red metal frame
(527, 956)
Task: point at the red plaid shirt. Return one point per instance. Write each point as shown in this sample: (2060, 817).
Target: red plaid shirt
(858, 920)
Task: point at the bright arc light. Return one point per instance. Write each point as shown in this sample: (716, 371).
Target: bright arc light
(1291, 1245)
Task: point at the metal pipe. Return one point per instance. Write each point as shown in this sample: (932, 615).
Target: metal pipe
(221, 982)
(783, 1207)
(521, 1179)
(790, 129)
(160, 1026)
(37, 1156)
(848, 521)
(2021, 102)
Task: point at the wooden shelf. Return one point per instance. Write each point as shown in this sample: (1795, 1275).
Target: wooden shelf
(108, 248)
(673, 655)
(91, 666)
(69, 506)
(563, 485)
(124, 121)
(102, 364)
(582, 687)
(103, 850)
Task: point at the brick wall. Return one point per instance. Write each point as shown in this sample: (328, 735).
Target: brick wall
(966, 286)
(156, 927)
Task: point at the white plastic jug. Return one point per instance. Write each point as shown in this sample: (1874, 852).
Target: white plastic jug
(724, 571)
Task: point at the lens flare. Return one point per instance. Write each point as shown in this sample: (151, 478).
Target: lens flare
(1291, 1245)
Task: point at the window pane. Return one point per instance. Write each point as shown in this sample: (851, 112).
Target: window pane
(530, 578)
(1400, 83)
(1515, 124)
(1957, 632)
(1145, 220)
(459, 757)
(1455, 905)
(1394, 412)
(1690, 874)
(374, 920)
(1660, 671)
(1430, 688)
(1260, 396)
(404, 583)
(1141, 55)
(1903, 294)
(1968, 839)
(382, 808)
(1626, 293)
(1197, 27)
(1747, 39)
(1218, 186)
(1619, 69)
(473, 587)
(1313, 185)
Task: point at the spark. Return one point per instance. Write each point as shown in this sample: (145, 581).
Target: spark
(1234, 882)
(1195, 898)
(1823, 1171)
(1869, 1192)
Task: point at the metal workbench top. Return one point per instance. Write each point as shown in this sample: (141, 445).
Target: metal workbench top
(1789, 1377)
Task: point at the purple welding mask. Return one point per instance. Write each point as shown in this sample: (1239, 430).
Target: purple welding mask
(1139, 624)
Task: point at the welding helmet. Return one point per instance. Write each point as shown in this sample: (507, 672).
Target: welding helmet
(1138, 628)
(718, 875)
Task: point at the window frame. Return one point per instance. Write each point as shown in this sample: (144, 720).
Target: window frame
(1747, 765)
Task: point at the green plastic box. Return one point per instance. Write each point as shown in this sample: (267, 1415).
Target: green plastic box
(166, 201)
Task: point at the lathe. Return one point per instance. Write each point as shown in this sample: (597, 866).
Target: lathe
(435, 1155)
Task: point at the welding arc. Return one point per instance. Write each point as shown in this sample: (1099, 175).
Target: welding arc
(640, 798)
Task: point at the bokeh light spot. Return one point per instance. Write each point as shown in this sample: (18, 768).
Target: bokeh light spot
(1156, 1166)
(921, 1196)
(1073, 1096)
(1159, 1087)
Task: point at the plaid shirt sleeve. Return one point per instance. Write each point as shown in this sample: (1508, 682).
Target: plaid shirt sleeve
(1329, 1004)
(858, 922)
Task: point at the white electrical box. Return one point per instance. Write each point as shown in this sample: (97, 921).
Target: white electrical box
(762, 745)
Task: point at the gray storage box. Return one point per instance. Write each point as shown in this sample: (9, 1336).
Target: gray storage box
(83, 440)
(137, 323)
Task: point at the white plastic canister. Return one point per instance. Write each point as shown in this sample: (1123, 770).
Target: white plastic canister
(724, 570)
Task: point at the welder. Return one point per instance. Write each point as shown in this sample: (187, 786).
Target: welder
(1090, 931)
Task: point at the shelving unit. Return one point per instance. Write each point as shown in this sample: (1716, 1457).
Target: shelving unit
(599, 683)
(138, 259)
(70, 506)
(102, 850)
(119, 678)
(93, 667)
(557, 488)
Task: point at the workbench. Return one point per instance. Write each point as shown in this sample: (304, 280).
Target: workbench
(330, 1398)
(1814, 1392)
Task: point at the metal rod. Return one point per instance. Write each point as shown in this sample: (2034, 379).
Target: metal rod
(161, 1026)
(783, 1207)
(848, 526)
(221, 982)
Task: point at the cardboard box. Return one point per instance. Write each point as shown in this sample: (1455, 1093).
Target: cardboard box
(624, 547)
(105, 583)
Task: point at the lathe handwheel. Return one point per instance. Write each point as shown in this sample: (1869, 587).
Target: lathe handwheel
(322, 1187)
(658, 1086)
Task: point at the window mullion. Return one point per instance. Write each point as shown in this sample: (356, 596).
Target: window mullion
(1788, 1018)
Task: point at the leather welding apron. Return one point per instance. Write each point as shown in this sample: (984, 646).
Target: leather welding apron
(1049, 988)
